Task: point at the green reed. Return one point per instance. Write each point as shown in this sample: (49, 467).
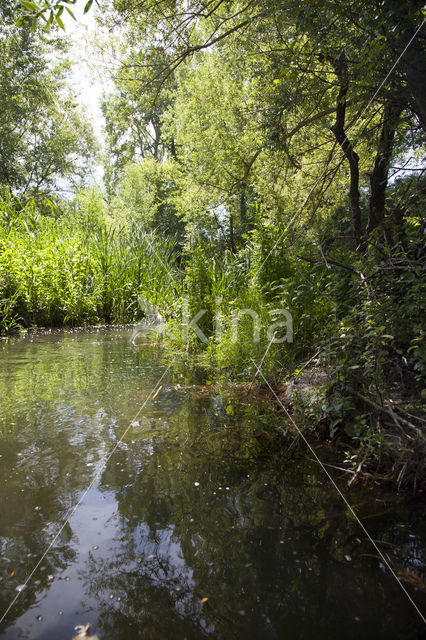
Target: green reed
(55, 272)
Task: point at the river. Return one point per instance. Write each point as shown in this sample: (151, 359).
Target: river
(181, 516)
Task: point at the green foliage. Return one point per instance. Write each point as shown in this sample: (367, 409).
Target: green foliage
(216, 140)
(242, 309)
(134, 112)
(68, 271)
(378, 347)
(44, 136)
(89, 209)
(49, 11)
(145, 198)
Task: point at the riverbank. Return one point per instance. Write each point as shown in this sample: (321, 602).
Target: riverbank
(354, 318)
(393, 454)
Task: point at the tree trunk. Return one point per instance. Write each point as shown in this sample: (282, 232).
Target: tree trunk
(379, 175)
(340, 68)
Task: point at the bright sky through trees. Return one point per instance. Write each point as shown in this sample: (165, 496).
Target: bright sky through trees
(89, 75)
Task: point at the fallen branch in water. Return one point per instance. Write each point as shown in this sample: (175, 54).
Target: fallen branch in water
(363, 474)
(398, 420)
(356, 474)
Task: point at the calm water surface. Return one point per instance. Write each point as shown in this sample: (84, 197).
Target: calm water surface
(203, 522)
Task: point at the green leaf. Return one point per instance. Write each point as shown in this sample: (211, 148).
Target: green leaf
(71, 13)
(87, 7)
(59, 21)
(30, 5)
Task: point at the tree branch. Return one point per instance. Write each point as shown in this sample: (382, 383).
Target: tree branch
(340, 68)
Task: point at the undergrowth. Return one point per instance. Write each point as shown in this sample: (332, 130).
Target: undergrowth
(359, 317)
(356, 316)
(55, 271)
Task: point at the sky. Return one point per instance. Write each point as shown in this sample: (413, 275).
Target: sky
(90, 77)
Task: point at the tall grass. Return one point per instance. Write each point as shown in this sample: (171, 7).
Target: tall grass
(236, 294)
(54, 272)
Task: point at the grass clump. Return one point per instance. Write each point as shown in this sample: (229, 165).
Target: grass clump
(57, 271)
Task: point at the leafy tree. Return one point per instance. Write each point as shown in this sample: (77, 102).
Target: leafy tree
(145, 198)
(43, 135)
(365, 64)
(134, 111)
(329, 60)
(216, 143)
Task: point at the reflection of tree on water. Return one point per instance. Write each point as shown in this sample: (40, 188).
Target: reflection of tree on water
(39, 485)
(22, 548)
(55, 419)
(271, 550)
(210, 505)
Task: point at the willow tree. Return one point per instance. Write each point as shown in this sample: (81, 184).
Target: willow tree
(355, 73)
(134, 110)
(43, 135)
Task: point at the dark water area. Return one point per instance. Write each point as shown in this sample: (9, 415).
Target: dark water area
(189, 515)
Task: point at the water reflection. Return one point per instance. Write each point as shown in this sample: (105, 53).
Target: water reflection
(200, 523)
